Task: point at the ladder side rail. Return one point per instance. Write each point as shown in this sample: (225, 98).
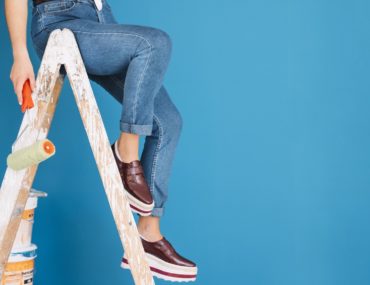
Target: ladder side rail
(104, 158)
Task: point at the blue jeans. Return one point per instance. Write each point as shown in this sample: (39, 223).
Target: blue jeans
(129, 61)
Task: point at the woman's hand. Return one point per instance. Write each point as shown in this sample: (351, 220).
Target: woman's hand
(22, 70)
(16, 17)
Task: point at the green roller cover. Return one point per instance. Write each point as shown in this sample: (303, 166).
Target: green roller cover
(31, 155)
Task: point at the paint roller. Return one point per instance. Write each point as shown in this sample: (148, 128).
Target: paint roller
(35, 153)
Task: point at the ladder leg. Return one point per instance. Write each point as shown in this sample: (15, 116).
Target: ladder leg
(17, 184)
(108, 169)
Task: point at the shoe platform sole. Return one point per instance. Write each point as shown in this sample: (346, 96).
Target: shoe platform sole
(167, 271)
(139, 207)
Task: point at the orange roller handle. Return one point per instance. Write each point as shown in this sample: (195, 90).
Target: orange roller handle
(26, 95)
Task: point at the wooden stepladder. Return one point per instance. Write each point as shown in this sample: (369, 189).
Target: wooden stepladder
(62, 48)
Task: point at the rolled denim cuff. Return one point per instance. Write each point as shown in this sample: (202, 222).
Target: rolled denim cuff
(143, 130)
(157, 212)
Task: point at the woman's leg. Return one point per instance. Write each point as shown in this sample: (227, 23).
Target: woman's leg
(140, 53)
(157, 158)
(128, 143)
(143, 54)
(137, 56)
(159, 147)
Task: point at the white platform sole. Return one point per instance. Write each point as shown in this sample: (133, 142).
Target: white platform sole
(167, 271)
(139, 207)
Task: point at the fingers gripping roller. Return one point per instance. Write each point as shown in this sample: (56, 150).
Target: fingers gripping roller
(35, 153)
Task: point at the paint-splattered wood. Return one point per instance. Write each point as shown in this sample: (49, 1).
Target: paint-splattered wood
(103, 154)
(35, 125)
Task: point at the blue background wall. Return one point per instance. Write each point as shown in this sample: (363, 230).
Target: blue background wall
(270, 184)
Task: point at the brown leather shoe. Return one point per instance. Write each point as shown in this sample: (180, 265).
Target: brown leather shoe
(134, 182)
(165, 262)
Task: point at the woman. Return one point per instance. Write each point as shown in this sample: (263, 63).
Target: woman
(129, 61)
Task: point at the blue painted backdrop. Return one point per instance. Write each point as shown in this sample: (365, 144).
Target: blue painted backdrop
(270, 184)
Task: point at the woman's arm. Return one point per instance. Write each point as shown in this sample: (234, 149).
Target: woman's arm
(16, 18)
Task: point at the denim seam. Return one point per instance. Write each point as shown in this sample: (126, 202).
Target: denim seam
(39, 19)
(155, 159)
(136, 49)
(37, 11)
(46, 12)
(141, 81)
(85, 1)
(42, 20)
(112, 33)
(94, 33)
